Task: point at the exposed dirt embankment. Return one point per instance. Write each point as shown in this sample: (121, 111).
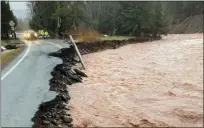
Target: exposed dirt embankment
(192, 24)
(54, 113)
(95, 46)
(158, 83)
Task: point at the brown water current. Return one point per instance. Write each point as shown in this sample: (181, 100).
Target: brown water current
(157, 83)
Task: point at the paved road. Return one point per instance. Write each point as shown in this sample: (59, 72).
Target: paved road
(25, 82)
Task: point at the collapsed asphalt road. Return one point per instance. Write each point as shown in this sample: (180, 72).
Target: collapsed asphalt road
(25, 83)
(54, 113)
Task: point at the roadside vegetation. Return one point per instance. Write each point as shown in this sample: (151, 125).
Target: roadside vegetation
(7, 57)
(6, 16)
(117, 38)
(13, 48)
(10, 42)
(81, 35)
(111, 18)
(4, 42)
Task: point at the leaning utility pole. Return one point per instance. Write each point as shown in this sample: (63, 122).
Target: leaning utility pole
(77, 50)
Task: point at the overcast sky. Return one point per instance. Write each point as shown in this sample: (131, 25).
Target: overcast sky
(18, 5)
(19, 9)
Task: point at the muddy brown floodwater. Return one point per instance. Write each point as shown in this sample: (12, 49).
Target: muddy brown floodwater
(157, 83)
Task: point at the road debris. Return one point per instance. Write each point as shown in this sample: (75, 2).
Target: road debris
(54, 113)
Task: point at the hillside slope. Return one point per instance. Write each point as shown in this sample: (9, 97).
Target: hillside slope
(192, 24)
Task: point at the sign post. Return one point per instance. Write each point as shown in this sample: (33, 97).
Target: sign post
(11, 23)
(12, 28)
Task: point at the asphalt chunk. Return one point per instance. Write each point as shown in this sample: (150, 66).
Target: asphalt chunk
(53, 113)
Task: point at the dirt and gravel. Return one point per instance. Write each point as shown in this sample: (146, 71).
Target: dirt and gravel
(55, 113)
(192, 24)
(157, 83)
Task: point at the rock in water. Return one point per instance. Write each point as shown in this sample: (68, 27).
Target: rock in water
(80, 72)
(65, 98)
(73, 77)
(54, 122)
(67, 119)
(45, 122)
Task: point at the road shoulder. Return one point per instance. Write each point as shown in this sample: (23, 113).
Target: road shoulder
(7, 57)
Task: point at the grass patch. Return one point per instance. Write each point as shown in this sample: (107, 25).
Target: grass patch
(9, 56)
(116, 38)
(84, 34)
(6, 42)
(110, 38)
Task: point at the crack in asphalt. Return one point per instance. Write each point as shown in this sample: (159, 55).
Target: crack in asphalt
(53, 112)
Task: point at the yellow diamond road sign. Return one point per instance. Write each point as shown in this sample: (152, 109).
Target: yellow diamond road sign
(11, 23)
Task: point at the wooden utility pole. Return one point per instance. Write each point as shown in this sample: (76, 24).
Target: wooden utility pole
(77, 50)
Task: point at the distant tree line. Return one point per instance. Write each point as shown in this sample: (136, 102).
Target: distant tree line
(113, 18)
(6, 16)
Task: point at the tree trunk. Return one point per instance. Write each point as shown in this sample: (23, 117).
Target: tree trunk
(14, 34)
(138, 32)
(154, 35)
(7, 35)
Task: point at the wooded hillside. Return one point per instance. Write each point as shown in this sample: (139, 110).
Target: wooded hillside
(112, 18)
